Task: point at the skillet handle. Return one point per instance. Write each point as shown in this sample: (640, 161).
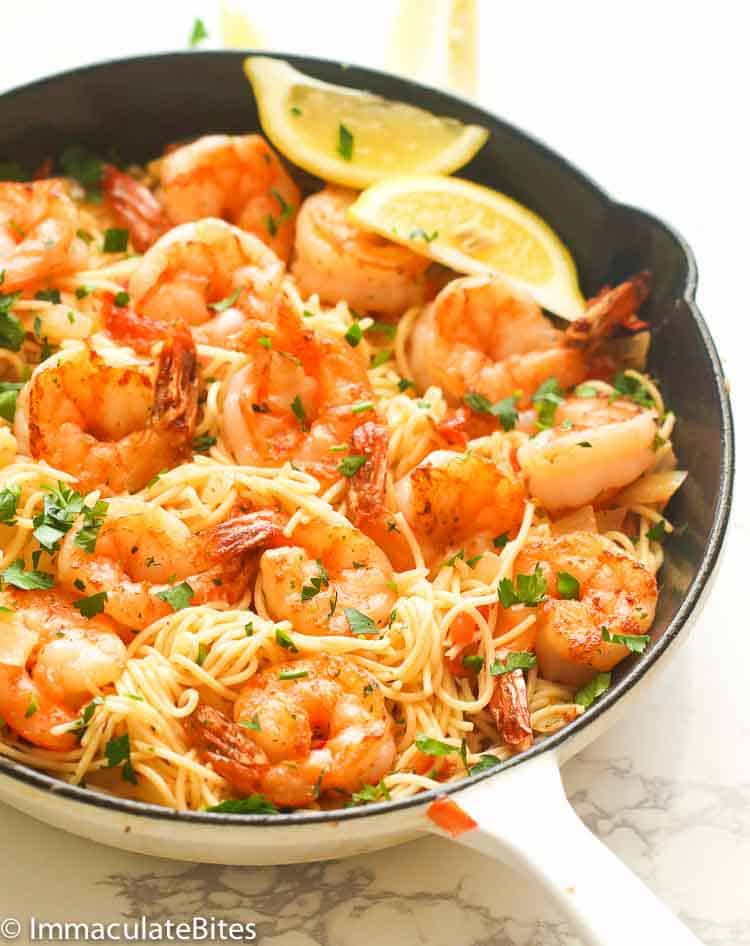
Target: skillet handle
(525, 820)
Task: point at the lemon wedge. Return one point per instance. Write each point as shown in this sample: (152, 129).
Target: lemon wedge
(474, 229)
(351, 137)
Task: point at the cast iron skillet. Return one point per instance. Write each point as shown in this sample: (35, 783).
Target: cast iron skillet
(137, 106)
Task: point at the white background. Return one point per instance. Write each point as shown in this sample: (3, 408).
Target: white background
(651, 100)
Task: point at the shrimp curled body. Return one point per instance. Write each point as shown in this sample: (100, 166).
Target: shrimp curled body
(320, 727)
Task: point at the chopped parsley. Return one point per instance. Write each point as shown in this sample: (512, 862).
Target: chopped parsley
(198, 33)
(516, 660)
(178, 596)
(568, 586)
(284, 640)
(636, 643)
(371, 793)
(500, 541)
(385, 328)
(359, 623)
(93, 516)
(504, 410)
(362, 406)
(200, 657)
(298, 410)
(115, 240)
(203, 443)
(9, 503)
(486, 761)
(252, 805)
(420, 234)
(351, 464)
(8, 397)
(61, 507)
(265, 341)
(593, 689)
(293, 674)
(657, 532)
(27, 581)
(48, 295)
(473, 662)
(253, 724)
(529, 590)
(117, 752)
(317, 583)
(547, 398)
(354, 334)
(223, 304)
(93, 605)
(404, 384)
(586, 390)
(12, 332)
(33, 707)
(346, 143)
(121, 298)
(380, 357)
(632, 388)
(87, 714)
(86, 168)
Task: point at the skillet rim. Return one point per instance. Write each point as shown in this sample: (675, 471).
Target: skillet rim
(722, 503)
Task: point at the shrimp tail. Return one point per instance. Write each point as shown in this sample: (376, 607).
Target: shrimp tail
(176, 389)
(509, 706)
(610, 309)
(367, 504)
(254, 530)
(137, 331)
(227, 747)
(134, 206)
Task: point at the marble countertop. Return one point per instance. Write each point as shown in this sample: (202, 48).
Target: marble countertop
(646, 105)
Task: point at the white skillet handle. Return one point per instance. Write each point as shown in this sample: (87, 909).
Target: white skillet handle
(525, 820)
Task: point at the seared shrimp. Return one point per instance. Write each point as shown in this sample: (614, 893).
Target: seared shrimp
(112, 421)
(142, 550)
(338, 260)
(369, 505)
(480, 335)
(321, 728)
(209, 274)
(317, 576)
(451, 498)
(52, 661)
(596, 447)
(616, 592)
(296, 399)
(135, 207)
(238, 178)
(38, 241)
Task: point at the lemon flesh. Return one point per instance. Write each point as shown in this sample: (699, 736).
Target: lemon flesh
(474, 229)
(351, 137)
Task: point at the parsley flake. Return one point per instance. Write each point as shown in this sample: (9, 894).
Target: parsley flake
(529, 590)
(346, 143)
(359, 623)
(516, 660)
(593, 689)
(178, 596)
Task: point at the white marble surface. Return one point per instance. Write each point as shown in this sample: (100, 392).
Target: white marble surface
(650, 101)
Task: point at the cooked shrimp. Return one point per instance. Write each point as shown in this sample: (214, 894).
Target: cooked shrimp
(134, 206)
(52, 661)
(596, 447)
(113, 421)
(141, 551)
(296, 399)
(323, 570)
(238, 178)
(209, 274)
(369, 505)
(451, 498)
(38, 241)
(616, 592)
(338, 260)
(321, 728)
(481, 335)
